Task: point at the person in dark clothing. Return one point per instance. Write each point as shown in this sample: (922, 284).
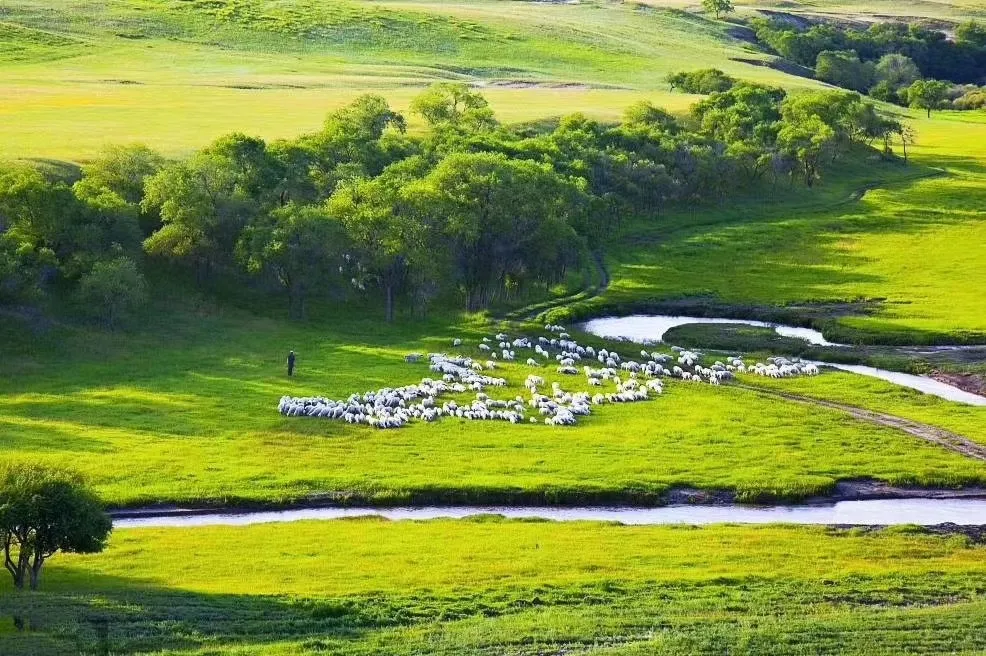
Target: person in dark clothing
(291, 363)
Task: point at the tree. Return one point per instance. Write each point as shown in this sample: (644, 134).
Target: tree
(393, 244)
(123, 169)
(113, 290)
(44, 511)
(971, 33)
(207, 200)
(704, 81)
(506, 221)
(805, 140)
(301, 246)
(350, 143)
(927, 94)
(453, 104)
(908, 135)
(844, 69)
(897, 70)
(718, 7)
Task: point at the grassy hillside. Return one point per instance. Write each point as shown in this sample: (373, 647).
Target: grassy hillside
(176, 74)
(478, 587)
(909, 245)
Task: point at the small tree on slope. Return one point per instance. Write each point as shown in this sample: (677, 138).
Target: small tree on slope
(717, 7)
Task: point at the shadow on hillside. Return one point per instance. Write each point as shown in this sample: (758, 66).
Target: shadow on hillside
(122, 616)
(786, 254)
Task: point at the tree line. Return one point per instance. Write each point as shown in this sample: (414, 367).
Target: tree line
(468, 209)
(910, 65)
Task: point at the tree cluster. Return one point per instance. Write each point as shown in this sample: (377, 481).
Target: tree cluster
(470, 211)
(890, 61)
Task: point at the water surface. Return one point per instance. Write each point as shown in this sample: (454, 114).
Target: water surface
(646, 328)
(926, 512)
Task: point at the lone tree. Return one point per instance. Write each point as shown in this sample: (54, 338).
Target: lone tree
(718, 7)
(927, 95)
(44, 511)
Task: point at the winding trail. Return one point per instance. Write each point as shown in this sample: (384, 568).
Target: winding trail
(951, 441)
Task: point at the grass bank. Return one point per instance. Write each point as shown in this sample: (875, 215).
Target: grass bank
(189, 404)
(489, 585)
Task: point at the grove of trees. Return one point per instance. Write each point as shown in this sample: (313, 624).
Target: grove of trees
(890, 61)
(469, 211)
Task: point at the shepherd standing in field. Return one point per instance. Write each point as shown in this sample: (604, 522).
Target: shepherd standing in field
(291, 363)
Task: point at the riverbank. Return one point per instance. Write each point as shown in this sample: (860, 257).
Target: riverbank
(329, 507)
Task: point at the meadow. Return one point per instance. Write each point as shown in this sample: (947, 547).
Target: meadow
(488, 585)
(187, 399)
(191, 407)
(894, 252)
(177, 74)
(181, 407)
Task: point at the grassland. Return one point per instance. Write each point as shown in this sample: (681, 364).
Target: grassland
(189, 406)
(910, 245)
(187, 402)
(491, 586)
(177, 74)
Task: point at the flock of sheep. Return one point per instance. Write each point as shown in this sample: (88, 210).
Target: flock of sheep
(631, 381)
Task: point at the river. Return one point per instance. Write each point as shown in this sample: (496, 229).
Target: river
(926, 512)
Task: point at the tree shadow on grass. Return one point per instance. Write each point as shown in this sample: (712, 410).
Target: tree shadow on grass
(115, 615)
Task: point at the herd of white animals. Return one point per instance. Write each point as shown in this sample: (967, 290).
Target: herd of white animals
(631, 380)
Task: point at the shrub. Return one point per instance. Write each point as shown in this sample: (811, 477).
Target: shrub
(843, 69)
(704, 81)
(113, 290)
(975, 99)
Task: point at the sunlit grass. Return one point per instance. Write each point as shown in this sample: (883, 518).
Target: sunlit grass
(914, 246)
(490, 586)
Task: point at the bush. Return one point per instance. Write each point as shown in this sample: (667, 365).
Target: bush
(704, 81)
(971, 100)
(113, 290)
(886, 92)
(843, 69)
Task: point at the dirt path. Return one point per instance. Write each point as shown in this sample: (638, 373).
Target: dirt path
(943, 438)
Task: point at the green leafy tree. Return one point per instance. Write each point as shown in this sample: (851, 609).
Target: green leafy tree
(113, 290)
(207, 200)
(352, 143)
(805, 140)
(454, 105)
(897, 70)
(927, 95)
(505, 220)
(704, 81)
(908, 136)
(302, 247)
(123, 169)
(844, 69)
(44, 511)
(972, 33)
(394, 245)
(718, 7)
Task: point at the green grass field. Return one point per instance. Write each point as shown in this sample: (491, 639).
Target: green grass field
(909, 245)
(203, 383)
(195, 419)
(181, 408)
(177, 74)
(480, 587)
